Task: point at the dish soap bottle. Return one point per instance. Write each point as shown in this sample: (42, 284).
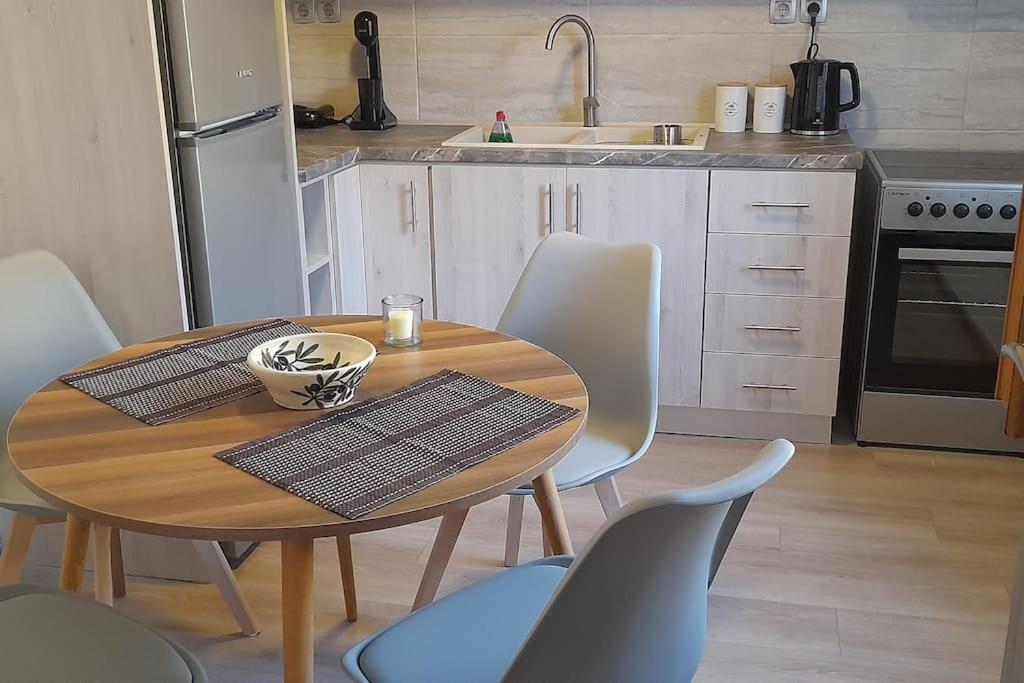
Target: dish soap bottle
(500, 131)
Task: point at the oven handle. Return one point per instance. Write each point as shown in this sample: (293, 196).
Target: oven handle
(967, 255)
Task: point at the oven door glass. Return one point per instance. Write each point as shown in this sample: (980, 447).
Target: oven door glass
(937, 313)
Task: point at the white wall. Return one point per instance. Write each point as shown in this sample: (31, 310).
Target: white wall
(936, 73)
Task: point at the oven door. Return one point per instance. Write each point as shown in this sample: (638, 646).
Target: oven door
(937, 313)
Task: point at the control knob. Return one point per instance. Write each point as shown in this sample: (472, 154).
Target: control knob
(915, 208)
(961, 211)
(1008, 212)
(985, 211)
(938, 210)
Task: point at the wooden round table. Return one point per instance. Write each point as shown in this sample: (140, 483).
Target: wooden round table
(110, 471)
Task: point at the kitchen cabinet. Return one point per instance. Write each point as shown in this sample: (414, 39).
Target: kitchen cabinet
(666, 206)
(487, 222)
(394, 225)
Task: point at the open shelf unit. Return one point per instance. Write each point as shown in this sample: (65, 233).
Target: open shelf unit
(318, 249)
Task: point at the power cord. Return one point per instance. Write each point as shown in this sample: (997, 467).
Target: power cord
(813, 10)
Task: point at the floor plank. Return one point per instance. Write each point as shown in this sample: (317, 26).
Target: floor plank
(854, 565)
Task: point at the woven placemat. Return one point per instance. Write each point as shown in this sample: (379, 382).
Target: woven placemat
(359, 458)
(169, 384)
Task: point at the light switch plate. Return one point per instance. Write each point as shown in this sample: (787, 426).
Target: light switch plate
(822, 15)
(328, 11)
(782, 11)
(303, 12)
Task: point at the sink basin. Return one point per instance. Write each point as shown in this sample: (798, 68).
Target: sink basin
(613, 136)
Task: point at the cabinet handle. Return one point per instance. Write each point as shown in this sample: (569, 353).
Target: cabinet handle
(771, 387)
(412, 199)
(757, 266)
(771, 328)
(578, 204)
(780, 205)
(551, 208)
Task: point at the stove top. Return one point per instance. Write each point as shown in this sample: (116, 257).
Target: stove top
(953, 167)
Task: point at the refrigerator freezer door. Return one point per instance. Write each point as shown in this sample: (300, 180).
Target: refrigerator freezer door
(224, 58)
(242, 220)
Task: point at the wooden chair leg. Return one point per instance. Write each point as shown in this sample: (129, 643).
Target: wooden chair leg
(608, 493)
(76, 544)
(217, 568)
(514, 529)
(117, 564)
(546, 541)
(444, 544)
(16, 544)
(104, 584)
(348, 577)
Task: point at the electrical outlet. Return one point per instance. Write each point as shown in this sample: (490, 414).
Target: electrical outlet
(328, 11)
(782, 11)
(822, 13)
(303, 12)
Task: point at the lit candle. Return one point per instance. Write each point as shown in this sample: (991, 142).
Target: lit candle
(400, 324)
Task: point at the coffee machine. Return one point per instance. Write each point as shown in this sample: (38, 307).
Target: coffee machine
(372, 113)
(816, 86)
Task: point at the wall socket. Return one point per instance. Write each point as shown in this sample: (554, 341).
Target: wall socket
(328, 11)
(822, 15)
(303, 12)
(782, 11)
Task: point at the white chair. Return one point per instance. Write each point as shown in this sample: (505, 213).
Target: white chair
(50, 327)
(631, 607)
(596, 305)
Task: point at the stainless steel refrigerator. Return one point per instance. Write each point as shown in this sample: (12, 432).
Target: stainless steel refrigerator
(236, 185)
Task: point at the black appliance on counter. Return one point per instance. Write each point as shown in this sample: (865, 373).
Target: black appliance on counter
(816, 99)
(372, 112)
(932, 249)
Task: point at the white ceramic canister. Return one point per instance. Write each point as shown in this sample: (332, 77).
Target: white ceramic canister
(731, 107)
(769, 107)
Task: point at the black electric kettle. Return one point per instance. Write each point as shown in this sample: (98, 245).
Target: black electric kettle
(816, 105)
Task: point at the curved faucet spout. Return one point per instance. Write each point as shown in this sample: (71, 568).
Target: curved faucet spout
(590, 103)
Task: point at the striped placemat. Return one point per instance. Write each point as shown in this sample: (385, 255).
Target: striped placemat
(169, 384)
(361, 457)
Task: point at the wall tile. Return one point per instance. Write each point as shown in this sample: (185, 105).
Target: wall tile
(906, 139)
(900, 16)
(672, 79)
(468, 78)
(1000, 15)
(994, 94)
(494, 17)
(993, 140)
(614, 17)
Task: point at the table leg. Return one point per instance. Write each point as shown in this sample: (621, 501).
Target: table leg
(76, 544)
(348, 576)
(103, 576)
(546, 495)
(117, 564)
(297, 609)
(444, 544)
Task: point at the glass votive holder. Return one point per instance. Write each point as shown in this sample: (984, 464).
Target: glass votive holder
(403, 319)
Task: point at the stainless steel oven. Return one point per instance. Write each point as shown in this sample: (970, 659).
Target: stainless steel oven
(938, 275)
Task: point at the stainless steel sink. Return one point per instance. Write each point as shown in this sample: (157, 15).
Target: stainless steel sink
(612, 136)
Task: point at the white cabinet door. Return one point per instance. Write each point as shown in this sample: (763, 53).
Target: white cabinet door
(668, 207)
(487, 222)
(396, 233)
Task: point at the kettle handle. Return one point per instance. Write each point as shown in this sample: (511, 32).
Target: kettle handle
(854, 83)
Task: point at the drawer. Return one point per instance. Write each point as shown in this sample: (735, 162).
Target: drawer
(774, 384)
(784, 265)
(777, 325)
(781, 202)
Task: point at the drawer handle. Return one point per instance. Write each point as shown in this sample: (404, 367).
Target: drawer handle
(771, 387)
(780, 205)
(757, 266)
(771, 328)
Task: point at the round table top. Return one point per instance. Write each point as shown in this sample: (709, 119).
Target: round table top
(104, 466)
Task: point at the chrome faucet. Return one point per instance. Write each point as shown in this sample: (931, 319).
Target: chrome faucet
(590, 103)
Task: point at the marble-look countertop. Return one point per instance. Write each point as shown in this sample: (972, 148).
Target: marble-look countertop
(334, 148)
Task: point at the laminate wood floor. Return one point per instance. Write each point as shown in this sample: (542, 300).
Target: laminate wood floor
(855, 564)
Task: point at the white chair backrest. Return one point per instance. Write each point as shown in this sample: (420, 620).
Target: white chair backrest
(50, 325)
(596, 305)
(633, 605)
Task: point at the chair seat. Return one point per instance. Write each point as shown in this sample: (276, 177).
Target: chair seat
(471, 635)
(15, 495)
(49, 636)
(602, 450)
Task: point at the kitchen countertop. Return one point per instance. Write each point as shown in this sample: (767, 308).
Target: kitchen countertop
(334, 148)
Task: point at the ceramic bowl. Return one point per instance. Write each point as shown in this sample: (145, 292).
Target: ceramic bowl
(312, 371)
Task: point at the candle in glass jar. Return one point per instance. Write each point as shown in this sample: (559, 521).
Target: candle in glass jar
(399, 325)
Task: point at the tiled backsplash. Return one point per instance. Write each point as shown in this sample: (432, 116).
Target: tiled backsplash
(935, 73)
